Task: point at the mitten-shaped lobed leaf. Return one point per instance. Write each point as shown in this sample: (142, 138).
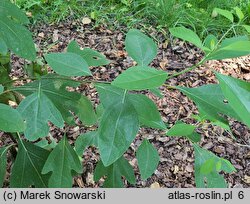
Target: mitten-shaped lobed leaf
(62, 162)
(37, 109)
(28, 165)
(53, 90)
(85, 140)
(114, 172)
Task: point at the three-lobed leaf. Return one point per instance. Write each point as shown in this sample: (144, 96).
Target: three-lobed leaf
(140, 78)
(148, 159)
(68, 64)
(85, 140)
(62, 162)
(114, 172)
(54, 87)
(37, 109)
(28, 165)
(140, 47)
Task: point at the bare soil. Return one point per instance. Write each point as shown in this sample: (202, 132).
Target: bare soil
(176, 168)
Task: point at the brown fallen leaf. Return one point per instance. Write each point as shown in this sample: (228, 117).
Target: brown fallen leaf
(41, 35)
(247, 179)
(29, 14)
(86, 21)
(155, 185)
(176, 169)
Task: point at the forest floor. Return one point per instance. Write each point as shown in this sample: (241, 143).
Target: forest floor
(176, 168)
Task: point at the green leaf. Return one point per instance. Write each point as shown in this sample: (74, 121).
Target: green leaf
(37, 109)
(237, 92)
(86, 140)
(10, 119)
(54, 87)
(227, 14)
(3, 164)
(182, 129)
(210, 42)
(118, 128)
(68, 64)
(140, 78)
(3, 47)
(17, 38)
(148, 159)
(8, 9)
(87, 115)
(207, 168)
(140, 47)
(156, 92)
(114, 173)
(232, 50)
(28, 166)
(1, 89)
(62, 161)
(187, 35)
(109, 94)
(145, 108)
(147, 111)
(226, 166)
(210, 101)
(247, 27)
(92, 57)
(44, 143)
(239, 13)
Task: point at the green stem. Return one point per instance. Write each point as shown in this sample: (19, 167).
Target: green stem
(187, 69)
(225, 34)
(62, 78)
